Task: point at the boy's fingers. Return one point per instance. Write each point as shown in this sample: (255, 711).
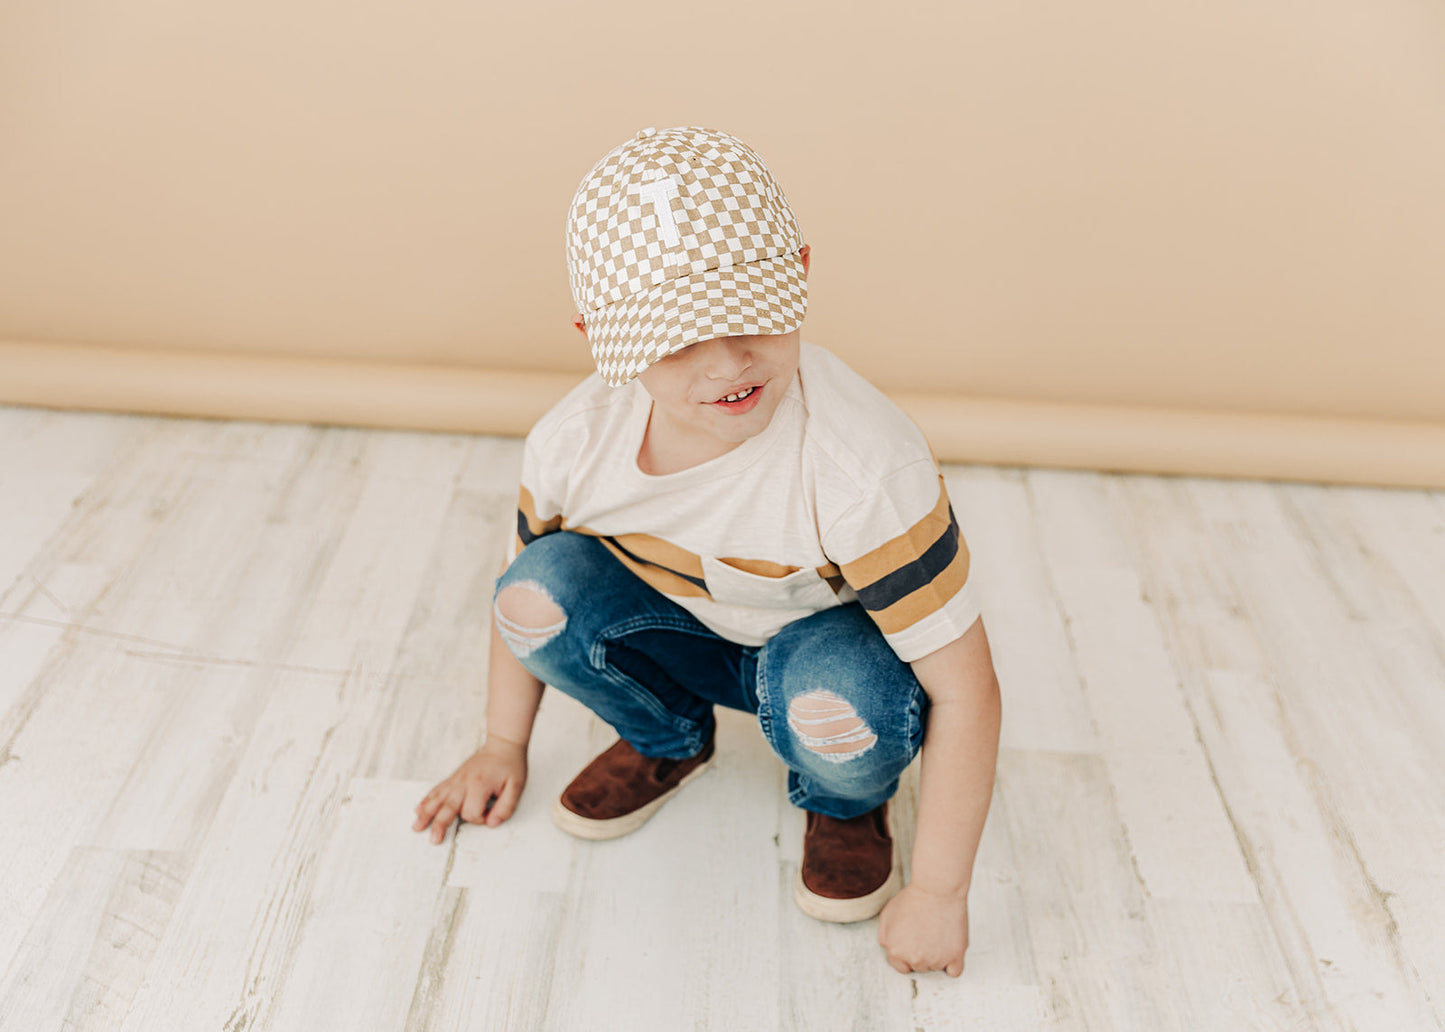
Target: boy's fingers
(425, 811)
(444, 817)
(475, 804)
(432, 799)
(506, 803)
(955, 969)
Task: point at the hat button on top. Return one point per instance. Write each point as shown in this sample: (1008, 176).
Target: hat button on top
(649, 131)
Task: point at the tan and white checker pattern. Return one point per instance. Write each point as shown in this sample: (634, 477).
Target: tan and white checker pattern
(681, 235)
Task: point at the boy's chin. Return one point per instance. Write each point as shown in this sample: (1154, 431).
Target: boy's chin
(737, 429)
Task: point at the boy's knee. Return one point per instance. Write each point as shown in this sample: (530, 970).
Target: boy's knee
(528, 617)
(825, 723)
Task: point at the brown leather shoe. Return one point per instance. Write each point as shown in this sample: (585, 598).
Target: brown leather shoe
(848, 871)
(619, 790)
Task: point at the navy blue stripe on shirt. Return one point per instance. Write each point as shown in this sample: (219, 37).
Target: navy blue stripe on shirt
(905, 580)
(523, 530)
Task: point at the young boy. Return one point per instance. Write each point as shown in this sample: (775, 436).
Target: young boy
(725, 516)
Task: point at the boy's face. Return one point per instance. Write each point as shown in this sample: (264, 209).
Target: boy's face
(723, 390)
(691, 388)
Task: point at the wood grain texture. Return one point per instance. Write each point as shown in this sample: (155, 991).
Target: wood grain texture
(233, 656)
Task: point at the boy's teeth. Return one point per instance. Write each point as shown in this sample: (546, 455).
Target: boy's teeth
(739, 395)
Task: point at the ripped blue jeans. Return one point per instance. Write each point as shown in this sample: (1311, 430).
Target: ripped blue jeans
(840, 709)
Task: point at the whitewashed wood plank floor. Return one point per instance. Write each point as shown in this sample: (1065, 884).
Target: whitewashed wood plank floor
(234, 655)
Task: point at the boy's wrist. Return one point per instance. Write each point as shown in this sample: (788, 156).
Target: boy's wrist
(941, 889)
(502, 743)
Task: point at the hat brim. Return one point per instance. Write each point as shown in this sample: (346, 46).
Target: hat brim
(762, 297)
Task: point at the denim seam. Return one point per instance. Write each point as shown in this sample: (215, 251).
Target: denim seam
(650, 701)
(652, 622)
(598, 658)
(760, 688)
(915, 720)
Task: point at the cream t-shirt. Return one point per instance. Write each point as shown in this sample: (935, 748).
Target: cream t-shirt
(838, 499)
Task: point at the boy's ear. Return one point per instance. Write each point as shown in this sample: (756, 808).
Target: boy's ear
(804, 253)
(581, 325)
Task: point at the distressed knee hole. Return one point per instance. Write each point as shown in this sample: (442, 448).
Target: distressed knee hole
(827, 724)
(528, 617)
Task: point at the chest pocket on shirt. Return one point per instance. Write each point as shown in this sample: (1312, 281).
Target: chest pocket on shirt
(801, 589)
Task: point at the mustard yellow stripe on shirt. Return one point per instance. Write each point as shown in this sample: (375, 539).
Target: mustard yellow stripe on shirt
(530, 526)
(655, 550)
(660, 563)
(833, 576)
(761, 567)
(665, 580)
(928, 599)
(905, 548)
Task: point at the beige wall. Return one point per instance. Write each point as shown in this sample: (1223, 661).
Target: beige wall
(1215, 230)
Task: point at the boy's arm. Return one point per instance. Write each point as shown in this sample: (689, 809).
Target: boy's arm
(486, 787)
(513, 695)
(925, 927)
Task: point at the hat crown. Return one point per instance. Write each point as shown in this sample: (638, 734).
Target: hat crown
(678, 236)
(670, 203)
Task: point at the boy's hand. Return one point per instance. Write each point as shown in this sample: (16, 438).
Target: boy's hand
(923, 931)
(483, 790)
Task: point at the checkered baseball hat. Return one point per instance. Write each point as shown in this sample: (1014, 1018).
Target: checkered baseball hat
(680, 235)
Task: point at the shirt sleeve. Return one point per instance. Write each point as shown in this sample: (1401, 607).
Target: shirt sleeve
(539, 497)
(900, 549)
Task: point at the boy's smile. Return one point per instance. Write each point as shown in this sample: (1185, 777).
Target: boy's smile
(712, 396)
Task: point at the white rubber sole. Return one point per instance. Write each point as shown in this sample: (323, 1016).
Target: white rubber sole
(861, 908)
(616, 827)
(846, 911)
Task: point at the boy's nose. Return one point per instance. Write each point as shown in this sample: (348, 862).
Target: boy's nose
(726, 358)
